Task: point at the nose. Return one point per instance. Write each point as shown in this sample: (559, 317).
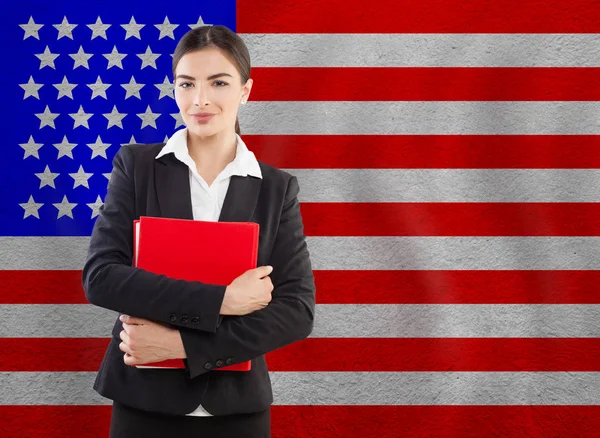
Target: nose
(201, 95)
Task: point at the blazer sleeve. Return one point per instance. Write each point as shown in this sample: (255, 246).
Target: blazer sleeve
(110, 281)
(287, 318)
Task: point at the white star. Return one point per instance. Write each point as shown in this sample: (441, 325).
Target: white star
(148, 118)
(199, 23)
(132, 141)
(166, 138)
(133, 88)
(31, 148)
(47, 178)
(166, 29)
(99, 29)
(99, 88)
(80, 118)
(31, 88)
(64, 88)
(81, 178)
(81, 58)
(178, 120)
(65, 149)
(47, 118)
(133, 29)
(115, 118)
(98, 148)
(148, 58)
(65, 29)
(107, 176)
(31, 29)
(115, 58)
(65, 208)
(96, 206)
(166, 88)
(47, 58)
(31, 208)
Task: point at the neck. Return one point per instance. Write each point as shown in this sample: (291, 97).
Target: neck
(212, 153)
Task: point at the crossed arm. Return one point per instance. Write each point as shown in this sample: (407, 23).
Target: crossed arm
(111, 282)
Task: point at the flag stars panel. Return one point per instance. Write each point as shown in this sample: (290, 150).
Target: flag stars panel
(96, 82)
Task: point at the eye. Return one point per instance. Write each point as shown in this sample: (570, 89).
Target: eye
(185, 84)
(221, 82)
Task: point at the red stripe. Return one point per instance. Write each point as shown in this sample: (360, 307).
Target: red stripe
(428, 16)
(451, 219)
(338, 421)
(438, 354)
(384, 287)
(427, 151)
(424, 84)
(436, 421)
(458, 287)
(345, 355)
(52, 354)
(41, 287)
(54, 421)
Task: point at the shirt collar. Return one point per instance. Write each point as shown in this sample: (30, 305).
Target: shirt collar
(244, 163)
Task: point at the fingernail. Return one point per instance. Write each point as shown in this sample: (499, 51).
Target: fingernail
(122, 317)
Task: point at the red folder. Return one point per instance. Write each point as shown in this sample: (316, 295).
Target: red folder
(194, 250)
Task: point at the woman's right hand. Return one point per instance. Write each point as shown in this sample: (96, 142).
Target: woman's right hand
(249, 292)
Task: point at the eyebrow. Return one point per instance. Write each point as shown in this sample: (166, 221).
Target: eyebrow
(191, 78)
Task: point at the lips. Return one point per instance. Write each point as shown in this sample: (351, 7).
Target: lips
(202, 117)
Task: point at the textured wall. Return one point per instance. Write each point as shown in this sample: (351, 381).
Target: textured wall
(447, 157)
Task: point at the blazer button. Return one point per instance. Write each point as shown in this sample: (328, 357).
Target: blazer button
(208, 366)
(219, 363)
(195, 320)
(229, 360)
(184, 319)
(172, 317)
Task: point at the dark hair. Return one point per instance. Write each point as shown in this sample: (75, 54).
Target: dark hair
(222, 38)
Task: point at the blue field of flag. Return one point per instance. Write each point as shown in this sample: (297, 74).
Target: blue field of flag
(80, 80)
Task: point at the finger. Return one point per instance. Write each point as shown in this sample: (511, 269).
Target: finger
(128, 328)
(133, 320)
(125, 348)
(263, 271)
(129, 359)
(124, 337)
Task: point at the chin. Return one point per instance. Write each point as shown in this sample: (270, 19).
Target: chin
(202, 130)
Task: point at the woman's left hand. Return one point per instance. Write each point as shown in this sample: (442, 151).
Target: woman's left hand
(146, 341)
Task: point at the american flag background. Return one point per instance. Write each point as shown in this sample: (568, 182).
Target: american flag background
(449, 166)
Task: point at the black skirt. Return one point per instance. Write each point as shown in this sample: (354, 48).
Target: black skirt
(133, 423)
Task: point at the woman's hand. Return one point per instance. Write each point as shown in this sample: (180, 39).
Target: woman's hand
(146, 341)
(249, 292)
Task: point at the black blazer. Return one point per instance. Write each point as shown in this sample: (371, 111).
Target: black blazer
(140, 185)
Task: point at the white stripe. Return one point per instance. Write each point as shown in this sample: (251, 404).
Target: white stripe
(448, 185)
(445, 185)
(347, 388)
(405, 117)
(454, 253)
(423, 50)
(43, 253)
(360, 253)
(345, 320)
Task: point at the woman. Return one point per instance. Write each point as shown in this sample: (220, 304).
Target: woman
(204, 172)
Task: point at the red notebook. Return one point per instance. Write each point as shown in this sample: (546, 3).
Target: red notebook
(194, 250)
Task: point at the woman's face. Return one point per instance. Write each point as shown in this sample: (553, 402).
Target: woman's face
(199, 90)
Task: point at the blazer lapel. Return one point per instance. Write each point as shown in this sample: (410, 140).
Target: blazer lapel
(173, 187)
(241, 198)
(174, 196)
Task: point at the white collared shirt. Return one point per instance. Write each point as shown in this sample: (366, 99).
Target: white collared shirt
(207, 201)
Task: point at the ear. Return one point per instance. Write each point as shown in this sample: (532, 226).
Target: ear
(245, 95)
